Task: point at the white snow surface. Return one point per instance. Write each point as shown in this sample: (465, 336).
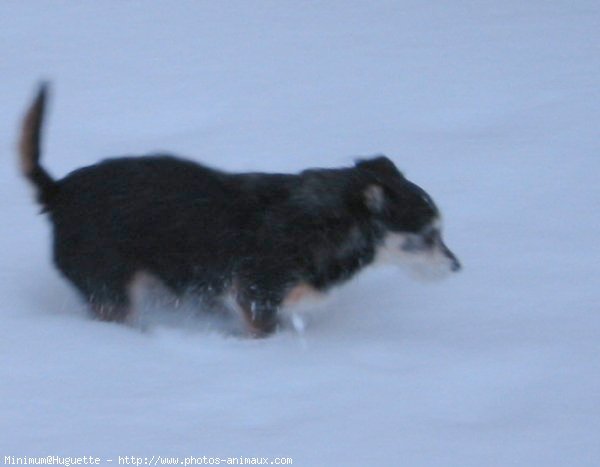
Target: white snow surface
(493, 107)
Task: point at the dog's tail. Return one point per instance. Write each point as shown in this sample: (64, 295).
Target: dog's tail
(29, 149)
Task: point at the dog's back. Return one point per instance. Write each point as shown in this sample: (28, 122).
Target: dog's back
(158, 214)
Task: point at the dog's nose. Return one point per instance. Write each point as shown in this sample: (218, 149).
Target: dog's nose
(455, 265)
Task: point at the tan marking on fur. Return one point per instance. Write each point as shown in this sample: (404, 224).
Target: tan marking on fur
(374, 197)
(254, 330)
(300, 292)
(235, 302)
(29, 142)
(26, 145)
(253, 327)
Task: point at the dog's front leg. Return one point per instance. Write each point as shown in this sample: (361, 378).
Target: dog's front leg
(259, 314)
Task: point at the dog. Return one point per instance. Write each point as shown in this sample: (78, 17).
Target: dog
(265, 239)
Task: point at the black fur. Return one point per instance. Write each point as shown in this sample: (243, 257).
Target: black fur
(205, 231)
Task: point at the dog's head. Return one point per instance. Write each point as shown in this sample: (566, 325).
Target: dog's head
(410, 220)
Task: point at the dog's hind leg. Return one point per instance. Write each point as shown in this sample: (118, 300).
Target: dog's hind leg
(107, 292)
(110, 302)
(110, 311)
(104, 279)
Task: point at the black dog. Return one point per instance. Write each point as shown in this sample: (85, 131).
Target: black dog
(264, 239)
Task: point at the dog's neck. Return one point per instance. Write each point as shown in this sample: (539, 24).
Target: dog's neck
(347, 255)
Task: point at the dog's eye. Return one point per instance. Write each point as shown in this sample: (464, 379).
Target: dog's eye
(422, 241)
(430, 236)
(412, 243)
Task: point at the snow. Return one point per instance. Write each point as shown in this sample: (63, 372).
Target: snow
(490, 106)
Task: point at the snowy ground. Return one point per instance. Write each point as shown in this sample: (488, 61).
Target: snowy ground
(492, 106)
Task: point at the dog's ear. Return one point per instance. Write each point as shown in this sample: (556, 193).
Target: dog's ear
(374, 197)
(381, 167)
